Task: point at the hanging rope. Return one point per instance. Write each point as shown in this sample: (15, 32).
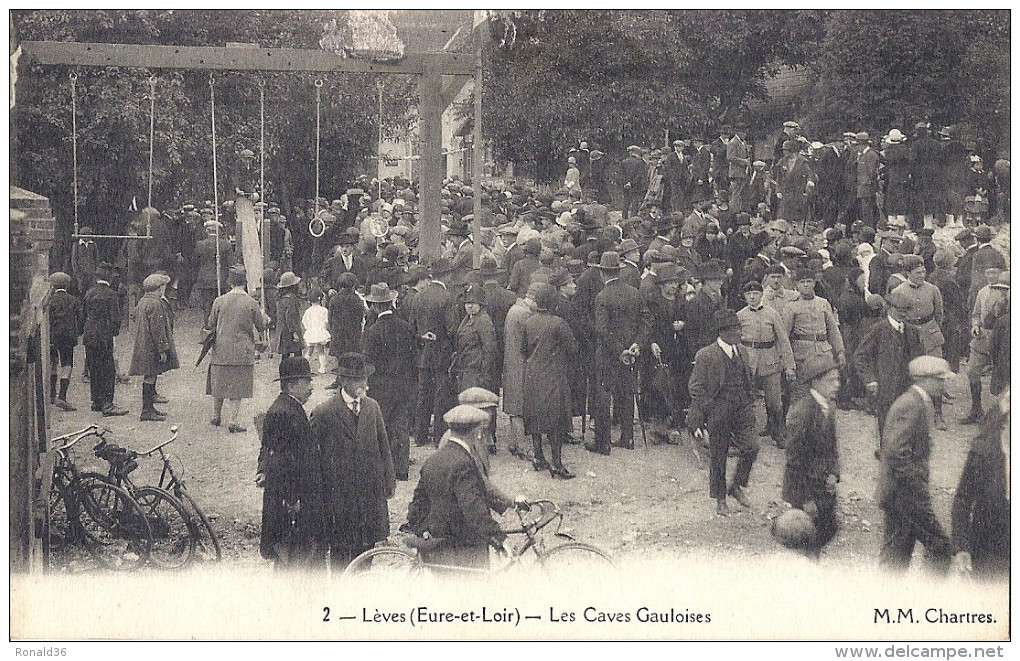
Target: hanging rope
(379, 86)
(152, 145)
(216, 193)
(315, 217)
(263, 234)
(74, 143)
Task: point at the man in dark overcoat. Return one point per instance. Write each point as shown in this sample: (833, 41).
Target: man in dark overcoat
(701, 170)
(345, 260)
(882, 357)
(635, 180)
(289, 471)
(981, 507)
(390, 346)
(903, 480)
(435, 322)
(346, 315)
(619, 329)
(925, 177)
(676, 176)
(722, 406)
(357, 465)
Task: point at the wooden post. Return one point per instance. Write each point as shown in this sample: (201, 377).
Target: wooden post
(431, 133)
(476, 155)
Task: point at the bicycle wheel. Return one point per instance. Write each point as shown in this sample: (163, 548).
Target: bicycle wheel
(117, 533)
(207, 544)
(575, 558)
(59, 533)
(173, 537)
(385, 565)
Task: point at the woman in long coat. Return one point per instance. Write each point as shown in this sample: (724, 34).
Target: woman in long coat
(549, 349)
(235, 318)
(475, 344)
(357, 468)
(513, 371)
(154, 351)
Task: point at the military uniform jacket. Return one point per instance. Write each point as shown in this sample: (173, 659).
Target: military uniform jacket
(906, 449)
(926, 312)
(813, 328)
(100, 315)
(763, 334)
(289, 459)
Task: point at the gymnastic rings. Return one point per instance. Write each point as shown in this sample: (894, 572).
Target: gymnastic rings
(316, 230)
(380, 227)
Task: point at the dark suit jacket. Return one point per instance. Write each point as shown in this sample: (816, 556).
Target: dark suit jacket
(449, 501)
(699, 331)
(100, 315)
(389, 345)
(811, 451)
(335, 267)
(346, 313)
(906, 449)
(883, 355)
(706, 383)
(635, 173)
(618, 321)
(432, 310)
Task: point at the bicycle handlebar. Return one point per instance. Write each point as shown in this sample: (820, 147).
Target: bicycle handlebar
(173, 430)
(91, 430)
(548, 511)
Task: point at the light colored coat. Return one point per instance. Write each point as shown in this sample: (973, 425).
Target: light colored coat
(236, 318)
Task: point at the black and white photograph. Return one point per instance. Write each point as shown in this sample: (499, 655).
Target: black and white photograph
(352, 326)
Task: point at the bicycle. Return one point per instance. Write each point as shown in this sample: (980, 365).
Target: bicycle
(100, 516)
(207, 544)
(392, 563)
(173, 535)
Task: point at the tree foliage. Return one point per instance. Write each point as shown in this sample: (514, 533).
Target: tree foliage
(114, 111)
(880, 69)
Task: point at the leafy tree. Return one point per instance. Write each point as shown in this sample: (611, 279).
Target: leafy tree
(113, 114)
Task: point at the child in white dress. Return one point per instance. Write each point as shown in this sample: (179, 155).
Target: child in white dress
(315, 323)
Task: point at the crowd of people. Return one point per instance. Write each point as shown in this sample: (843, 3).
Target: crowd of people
(815, 284)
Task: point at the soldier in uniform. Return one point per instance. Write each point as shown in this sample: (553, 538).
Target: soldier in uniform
(775, 294)
(763, 334)
(812, 326)
(987, 300)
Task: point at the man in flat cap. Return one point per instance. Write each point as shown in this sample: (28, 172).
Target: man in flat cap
(722, 405)
(635, 180)
(450, 503)
(101, 321)
(903, 490)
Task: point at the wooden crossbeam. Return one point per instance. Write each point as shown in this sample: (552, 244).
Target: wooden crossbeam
(239, 59)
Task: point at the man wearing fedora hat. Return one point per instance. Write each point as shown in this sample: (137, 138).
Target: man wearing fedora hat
(357, 464)
(520, 273)
(207, 283)
(619, 329)
(345, 260)
(390, 346)
(903, 483)
(896, 156)
(667, 314)
(346, 315)
(722, 405)
(435, 320)
(675, 179)
(289, 472)
(154, 351)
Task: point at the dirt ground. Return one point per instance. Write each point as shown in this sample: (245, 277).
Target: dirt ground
(637, 504)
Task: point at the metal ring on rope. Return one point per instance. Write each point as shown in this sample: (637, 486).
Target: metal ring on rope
(74, 144)
(311, 224)
(318, 132)
(216, 194)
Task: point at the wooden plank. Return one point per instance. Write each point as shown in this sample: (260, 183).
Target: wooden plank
(430, 133)
(238, 59)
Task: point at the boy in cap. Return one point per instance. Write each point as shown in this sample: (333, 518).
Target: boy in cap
(154, 350)
(903, 484)
(65, 327)
(722, 406)
(101, 323)
(289, 471)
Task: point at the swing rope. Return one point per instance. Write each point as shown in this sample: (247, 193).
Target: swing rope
(152, 144)
(318, 110)
(74, 143)
(216, 194)
(262, 229)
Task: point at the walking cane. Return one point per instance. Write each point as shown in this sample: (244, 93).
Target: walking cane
(637, 402)
(584, 411)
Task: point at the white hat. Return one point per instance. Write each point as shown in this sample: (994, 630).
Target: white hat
(930, 366)
(895, 136)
